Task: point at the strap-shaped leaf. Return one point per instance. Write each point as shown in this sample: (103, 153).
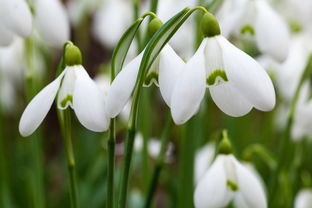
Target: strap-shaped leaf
(121, 50)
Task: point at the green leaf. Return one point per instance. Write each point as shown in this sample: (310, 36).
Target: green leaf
(123, 46)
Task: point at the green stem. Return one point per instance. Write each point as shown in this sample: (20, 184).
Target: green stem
(159, 163)
(70, 158)
(111, 164)
(126, 167)
(286, 146)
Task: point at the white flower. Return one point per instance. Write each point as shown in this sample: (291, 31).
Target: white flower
(15, 19)
(304, 199)
(236, 82)
(111, 21)
(203, 159)
(228, 180)
(302, 121)
(164, 69)
(52, 22)
(270, 30)
(75, 89)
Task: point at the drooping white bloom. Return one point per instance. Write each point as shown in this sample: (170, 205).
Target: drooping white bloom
(236, 82)
(270, 30)
(15, 19)
(228, 180)
(203, 159)
(304, 199)
(74, 88)
(111, 21)
(162, 72)
(52, 22)
(303, 120)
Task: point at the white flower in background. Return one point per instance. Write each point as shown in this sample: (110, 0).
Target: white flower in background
(270, 30)
(74, 88)
(303, 121)
(203, 159)
(304, 198)
(236, 82)
(15, 19)
(111, 21)
(228, 180)
(289, 72)
(52, 22)
(162, 72)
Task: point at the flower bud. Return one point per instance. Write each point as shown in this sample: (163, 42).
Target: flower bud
(225, 146)
(72, 55)
(153, 26)
(209, 25)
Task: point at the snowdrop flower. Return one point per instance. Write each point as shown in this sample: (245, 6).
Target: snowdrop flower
(203, 159)
(226, 180)
(261, 20)
(164, 69)
(15, 19)
(236, 82)
(74, 88)
(52, 22)
(302, 121)
(111, 21)
(304, 199)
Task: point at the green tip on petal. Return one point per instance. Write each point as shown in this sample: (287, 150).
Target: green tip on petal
(247, 29)
(150, 77)
(72, 54)
(233, 186)
(154, 26)
(225, 146)
(209, 25)
(216, 77)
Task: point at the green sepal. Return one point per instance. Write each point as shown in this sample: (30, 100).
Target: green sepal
(72, 55)
(154, 26)
(225, 146)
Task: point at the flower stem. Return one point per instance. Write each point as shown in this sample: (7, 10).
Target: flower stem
(126, 167)
(111, 164)
(286, 146)
(159, 163)
(70, 159)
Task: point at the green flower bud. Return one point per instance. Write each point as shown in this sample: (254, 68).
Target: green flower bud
(225, 146)
(154, 26)
(209, 25)
(72, 55)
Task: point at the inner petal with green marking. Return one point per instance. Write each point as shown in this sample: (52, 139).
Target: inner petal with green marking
(233, 186)
(216, 77)
(67, 101)
(152, 77)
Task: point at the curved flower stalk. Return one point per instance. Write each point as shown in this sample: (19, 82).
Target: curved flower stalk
(111, 21)
(74, 88)
(52, 22)
(226, 180)
(236, 82)
(15, 20)
(164, 69)
(304, 198)
(259, 19)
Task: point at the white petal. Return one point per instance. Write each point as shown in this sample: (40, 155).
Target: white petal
(38, 107)
(212, 191)
(304, 199)
(189, 89)
(16, 15)
(52, 22)
(250, 188)
(213, 56)
(247, 76)
(203, 160)
(6, 37)
(271, 31)
(170, 67)
(88, 102)
(122, 87)
(229, 100)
